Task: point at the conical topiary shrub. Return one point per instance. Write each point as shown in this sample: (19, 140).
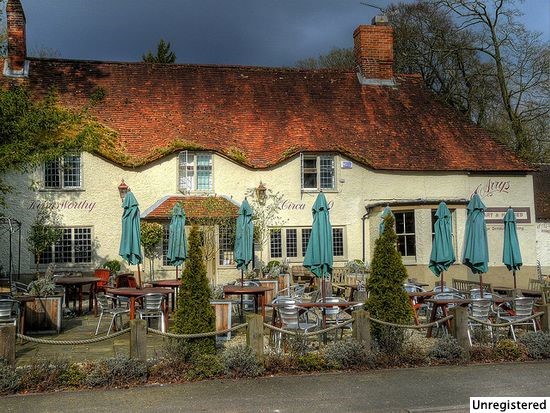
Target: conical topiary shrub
(194, 313)
(387, 300)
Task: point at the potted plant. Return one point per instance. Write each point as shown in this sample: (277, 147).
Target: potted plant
(44, 313)
(113, 267)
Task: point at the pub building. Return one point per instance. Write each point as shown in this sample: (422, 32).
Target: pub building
(209, 135)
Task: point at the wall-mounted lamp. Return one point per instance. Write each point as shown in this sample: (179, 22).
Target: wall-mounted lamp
(261, 193)
(123, 189)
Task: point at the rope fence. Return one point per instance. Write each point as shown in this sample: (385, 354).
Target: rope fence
(508, 324)
(196, 335)
(72, 342)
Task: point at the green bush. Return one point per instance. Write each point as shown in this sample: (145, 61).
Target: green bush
(412, 355)
(9, 380)
(295, 344)
(311, 362)
(117, 371)
(537, 344)
(205, 366)
(73, 376)
(176, 350)
(348, 354)
(194, 313)
(508, 350)
(168, 370)
(42, 375)
(387, 300)
(481, 353)
(447, 349)
(240, 361)
(280, 363)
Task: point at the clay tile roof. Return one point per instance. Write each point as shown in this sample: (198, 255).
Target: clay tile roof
(261, 116)
(541, 187)
(195, 207)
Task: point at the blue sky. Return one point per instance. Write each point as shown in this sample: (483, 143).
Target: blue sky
(247, 32)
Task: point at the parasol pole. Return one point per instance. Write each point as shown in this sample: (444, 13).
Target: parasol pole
(177, 277)
(242, 296)
(514, 274)
(139, 276)
(481, 285)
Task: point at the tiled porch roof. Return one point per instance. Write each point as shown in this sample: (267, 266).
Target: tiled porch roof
(195, 207)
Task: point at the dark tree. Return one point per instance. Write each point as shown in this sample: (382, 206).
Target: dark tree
(164, 54)
(194, 313)
(387, 300)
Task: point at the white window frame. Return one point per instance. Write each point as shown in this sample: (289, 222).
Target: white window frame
(188, 171)
(61, 171)
(72, 263)
(407, 259)
(300, 249)
(317, 170)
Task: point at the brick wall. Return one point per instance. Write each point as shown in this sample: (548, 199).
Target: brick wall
(17, 48)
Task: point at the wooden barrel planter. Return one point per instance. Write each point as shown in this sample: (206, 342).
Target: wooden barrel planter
(44, 314)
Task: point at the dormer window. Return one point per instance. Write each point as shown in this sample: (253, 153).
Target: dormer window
(318, 172)
(195, 171)
(63, 173)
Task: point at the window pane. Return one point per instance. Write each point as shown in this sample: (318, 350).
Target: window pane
(409, 222)
(186, 171)
(411, 246)
(338, 242)
(310, 181)
(306, 233)
(52, 174)
(71, 171)
(46, 257)
(291, 243)
(401, 245)
(63, 247)
(204, 172)
(227, 244)
(310, 163)
(399, 222)
(327, 172)
(275, 244)
(82, 245)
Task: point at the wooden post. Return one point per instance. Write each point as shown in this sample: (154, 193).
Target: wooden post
(545, 318)
(361, 327)
(459, 327)
(138, 339)
(7, 344)
(255, 335)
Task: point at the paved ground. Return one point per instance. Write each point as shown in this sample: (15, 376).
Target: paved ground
(432, 389)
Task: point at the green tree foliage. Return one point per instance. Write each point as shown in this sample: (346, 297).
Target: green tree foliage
(164, 54)
(34, 131)
(44, 232)
(194, 313)
(337, 58)
(387, 300)
(151, 236)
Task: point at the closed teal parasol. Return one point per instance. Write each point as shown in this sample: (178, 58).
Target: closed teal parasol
(476, 250)
(130, 240)
(443, 254)
(511, 253)
(319, 252)
(177, 244)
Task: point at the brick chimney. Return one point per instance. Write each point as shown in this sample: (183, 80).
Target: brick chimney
(373, 48)
(16, 65)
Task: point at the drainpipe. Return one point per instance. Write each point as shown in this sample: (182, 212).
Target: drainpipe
(363, 219)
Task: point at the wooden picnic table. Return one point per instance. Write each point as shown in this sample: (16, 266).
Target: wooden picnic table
(77, 283)
(133, 293)
(256, 291)
(444, 303)
(172, 283)
(416, 299)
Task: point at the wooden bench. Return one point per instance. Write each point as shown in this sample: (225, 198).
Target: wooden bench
(467, 285)
(301, 275)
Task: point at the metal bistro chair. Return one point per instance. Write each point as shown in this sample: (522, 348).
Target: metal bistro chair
(107, 305)
(152, 307)
(292, 317)
(521, 307)
(9, 311)
(479, 309)
(335, 315)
